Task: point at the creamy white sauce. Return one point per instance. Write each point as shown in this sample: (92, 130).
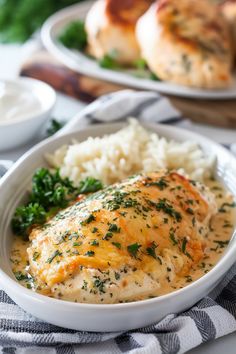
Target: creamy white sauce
(17, 102)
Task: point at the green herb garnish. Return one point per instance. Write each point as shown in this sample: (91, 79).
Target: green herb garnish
(161, 184)
(108, 62)
(183, 248)
(151, 251)
(74, 35)
(54, 255)
(114, 228)
(230, 205)
(94, 243)
(133, 249)
(36, 256)
(221, 244)
(50, 193)
(89, 219)
(172, 237)
(117, 245)
(27, 216)
(140, 64)
(167, 208)
(21, 276)
(89, 185)
(54, 127)
(90, 253)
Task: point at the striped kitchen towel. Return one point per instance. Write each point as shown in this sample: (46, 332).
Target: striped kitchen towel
(212, 317)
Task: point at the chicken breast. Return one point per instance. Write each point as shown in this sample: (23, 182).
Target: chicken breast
(110, 26)
(229, 11)
(125, 242)
(187, 42)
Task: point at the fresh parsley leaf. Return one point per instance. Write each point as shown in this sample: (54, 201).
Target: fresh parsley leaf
(54, 127)
(20, 276)
(74, 35)
(133, 249)
(54, 255)
(90, 253)
(117, 245)
(140, 64)
(26, 216)
(51, 190)
(89, 185)
(151, 250)
(108, 62)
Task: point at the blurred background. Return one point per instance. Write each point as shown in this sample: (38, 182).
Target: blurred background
(19, 19)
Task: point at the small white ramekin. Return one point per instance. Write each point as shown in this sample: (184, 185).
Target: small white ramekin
(14, 133)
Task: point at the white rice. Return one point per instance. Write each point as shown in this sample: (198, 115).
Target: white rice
(131, 150)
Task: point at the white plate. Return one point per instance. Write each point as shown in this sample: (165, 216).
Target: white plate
(92, 317)
(80, 63)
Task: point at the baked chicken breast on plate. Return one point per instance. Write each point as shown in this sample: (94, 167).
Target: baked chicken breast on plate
(187, 42)
(110, 26)
(123, 243)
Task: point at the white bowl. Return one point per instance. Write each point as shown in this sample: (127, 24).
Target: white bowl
(16, 132)
(93, 317)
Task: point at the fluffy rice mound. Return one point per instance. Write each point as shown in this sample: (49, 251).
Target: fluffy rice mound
(131, 150)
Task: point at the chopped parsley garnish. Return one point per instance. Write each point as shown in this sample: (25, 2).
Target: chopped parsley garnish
(189, 279)
(54, 127)
(89, 219)
(117, 276)
(73, 235)
(36, 256)
(117, 244)
(109, 62)
(50, 192)
(94, 230)
(230, 205)
(89, 185)
(221, 244)
(133, 249)
(120, 199)
(108, 236)
(21, 276)
(85, 285)
(183, 248)
(74, 35)
(151, 251)
(94, 243)
(190, 211)
(27, 216)
(90, 253)
(161, 184)
(167, 208)
(54, 255)
(76, 244)
(99, 284)
(172, 237)
(140, 64)
(114, 228)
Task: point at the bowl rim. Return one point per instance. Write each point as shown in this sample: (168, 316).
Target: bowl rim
(29, 82)
(223, 264)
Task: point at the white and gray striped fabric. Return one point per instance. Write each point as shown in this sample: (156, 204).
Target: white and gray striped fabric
(212, 317)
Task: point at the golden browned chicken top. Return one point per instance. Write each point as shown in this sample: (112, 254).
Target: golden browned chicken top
(121, 243)
(126, 12)
(207, 29)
